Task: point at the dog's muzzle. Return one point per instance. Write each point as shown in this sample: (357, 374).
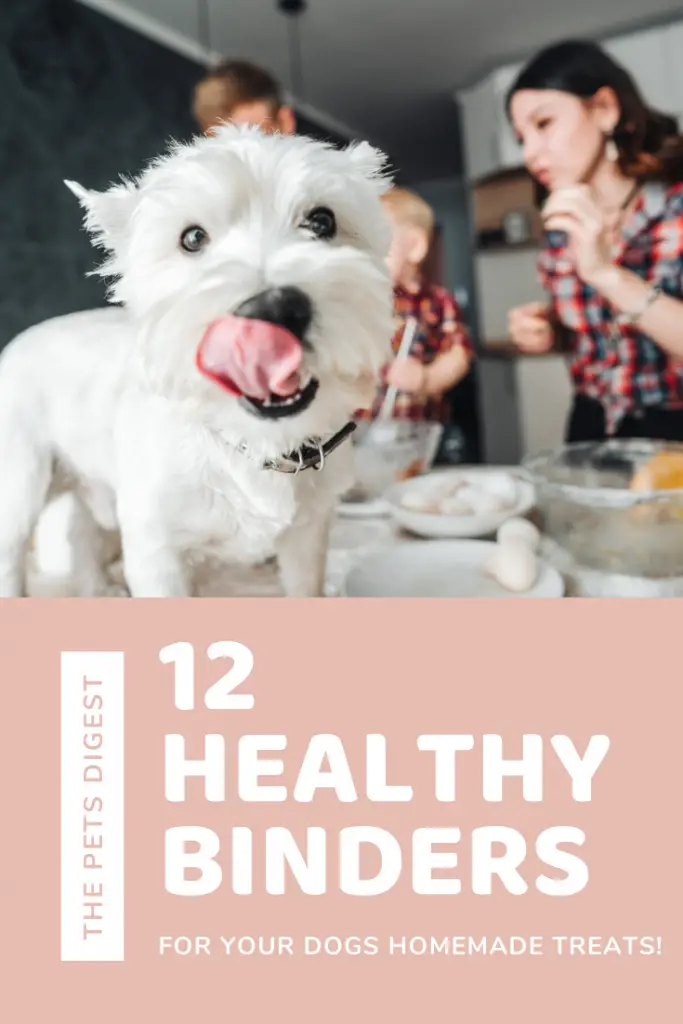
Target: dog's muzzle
(256, 353)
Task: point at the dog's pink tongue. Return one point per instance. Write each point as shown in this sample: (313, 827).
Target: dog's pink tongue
(251, 357)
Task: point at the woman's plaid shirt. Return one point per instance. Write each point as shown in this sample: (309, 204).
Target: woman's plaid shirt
(618, 365)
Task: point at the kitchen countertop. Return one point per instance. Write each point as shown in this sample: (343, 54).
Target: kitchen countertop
(355, 537)
(351, 538)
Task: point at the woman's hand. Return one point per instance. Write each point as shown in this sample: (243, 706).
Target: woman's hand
(530, 327)
(574, 211)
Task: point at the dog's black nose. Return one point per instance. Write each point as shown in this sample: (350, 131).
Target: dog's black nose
(289, 307)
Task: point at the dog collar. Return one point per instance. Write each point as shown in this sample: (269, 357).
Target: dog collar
(308, 456)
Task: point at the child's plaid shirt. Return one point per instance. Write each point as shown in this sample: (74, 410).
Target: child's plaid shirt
(440, 326)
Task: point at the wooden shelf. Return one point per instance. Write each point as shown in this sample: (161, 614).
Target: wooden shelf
(499, 177)
(495, 198)
(499, 249)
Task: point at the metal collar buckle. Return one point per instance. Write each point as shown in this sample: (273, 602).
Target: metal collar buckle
(310, 456)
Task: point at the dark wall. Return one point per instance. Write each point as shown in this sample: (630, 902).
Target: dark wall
(81, 97)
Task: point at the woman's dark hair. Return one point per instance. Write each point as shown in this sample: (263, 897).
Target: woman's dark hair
(650, 144)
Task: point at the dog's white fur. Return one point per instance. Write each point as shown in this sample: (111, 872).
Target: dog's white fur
(110, 405)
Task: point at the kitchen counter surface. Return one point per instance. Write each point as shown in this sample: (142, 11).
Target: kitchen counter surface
(354, 537)
(350, 540)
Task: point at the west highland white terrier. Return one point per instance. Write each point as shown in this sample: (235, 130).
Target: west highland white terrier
(203, 419)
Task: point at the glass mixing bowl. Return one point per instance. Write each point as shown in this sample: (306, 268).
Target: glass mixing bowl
(587, 508)
(387, 452)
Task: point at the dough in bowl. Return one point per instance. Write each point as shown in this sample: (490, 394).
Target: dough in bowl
(465, 495)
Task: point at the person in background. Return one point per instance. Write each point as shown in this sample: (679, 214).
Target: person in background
(612, 264)
(243, 93)
(441, 352)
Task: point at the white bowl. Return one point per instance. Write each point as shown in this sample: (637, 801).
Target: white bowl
(477, 524)
(449, 568)
(386, 453)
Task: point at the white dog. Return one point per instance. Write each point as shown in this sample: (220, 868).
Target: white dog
(203, 420)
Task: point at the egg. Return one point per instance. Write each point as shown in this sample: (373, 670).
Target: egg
(514, 566)
(521, 530)
(417, 502)
(503, 487)
(481, 503)
(465, 495)
(454, 507)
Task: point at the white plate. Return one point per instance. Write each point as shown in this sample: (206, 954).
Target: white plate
(371, 509)
(448, 568)
(430, 524)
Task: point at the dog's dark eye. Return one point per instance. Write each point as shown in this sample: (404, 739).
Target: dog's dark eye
(193, 239)
(321, 222)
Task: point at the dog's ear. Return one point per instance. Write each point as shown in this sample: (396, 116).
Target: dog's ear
(372, 164)
(108, 213)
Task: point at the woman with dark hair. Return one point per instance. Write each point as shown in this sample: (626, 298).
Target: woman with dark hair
(612, 263)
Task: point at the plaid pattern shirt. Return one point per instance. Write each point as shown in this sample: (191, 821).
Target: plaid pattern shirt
(440, 326)
(618, 365)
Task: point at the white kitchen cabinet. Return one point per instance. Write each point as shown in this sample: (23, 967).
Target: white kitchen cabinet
(509, 150)
(673, 59)
(645, 55)
(524, 402)
(504, 280)
(544, 396)
(479, 130)
(498, 411)
(490, 144)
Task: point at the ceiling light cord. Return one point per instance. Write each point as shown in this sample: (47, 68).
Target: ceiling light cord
(293, 9)
(295, 59)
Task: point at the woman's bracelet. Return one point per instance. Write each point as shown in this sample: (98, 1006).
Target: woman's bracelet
(633, 318)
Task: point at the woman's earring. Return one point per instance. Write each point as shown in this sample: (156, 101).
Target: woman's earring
(611, 151)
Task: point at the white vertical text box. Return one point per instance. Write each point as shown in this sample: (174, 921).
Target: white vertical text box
(92, 806)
